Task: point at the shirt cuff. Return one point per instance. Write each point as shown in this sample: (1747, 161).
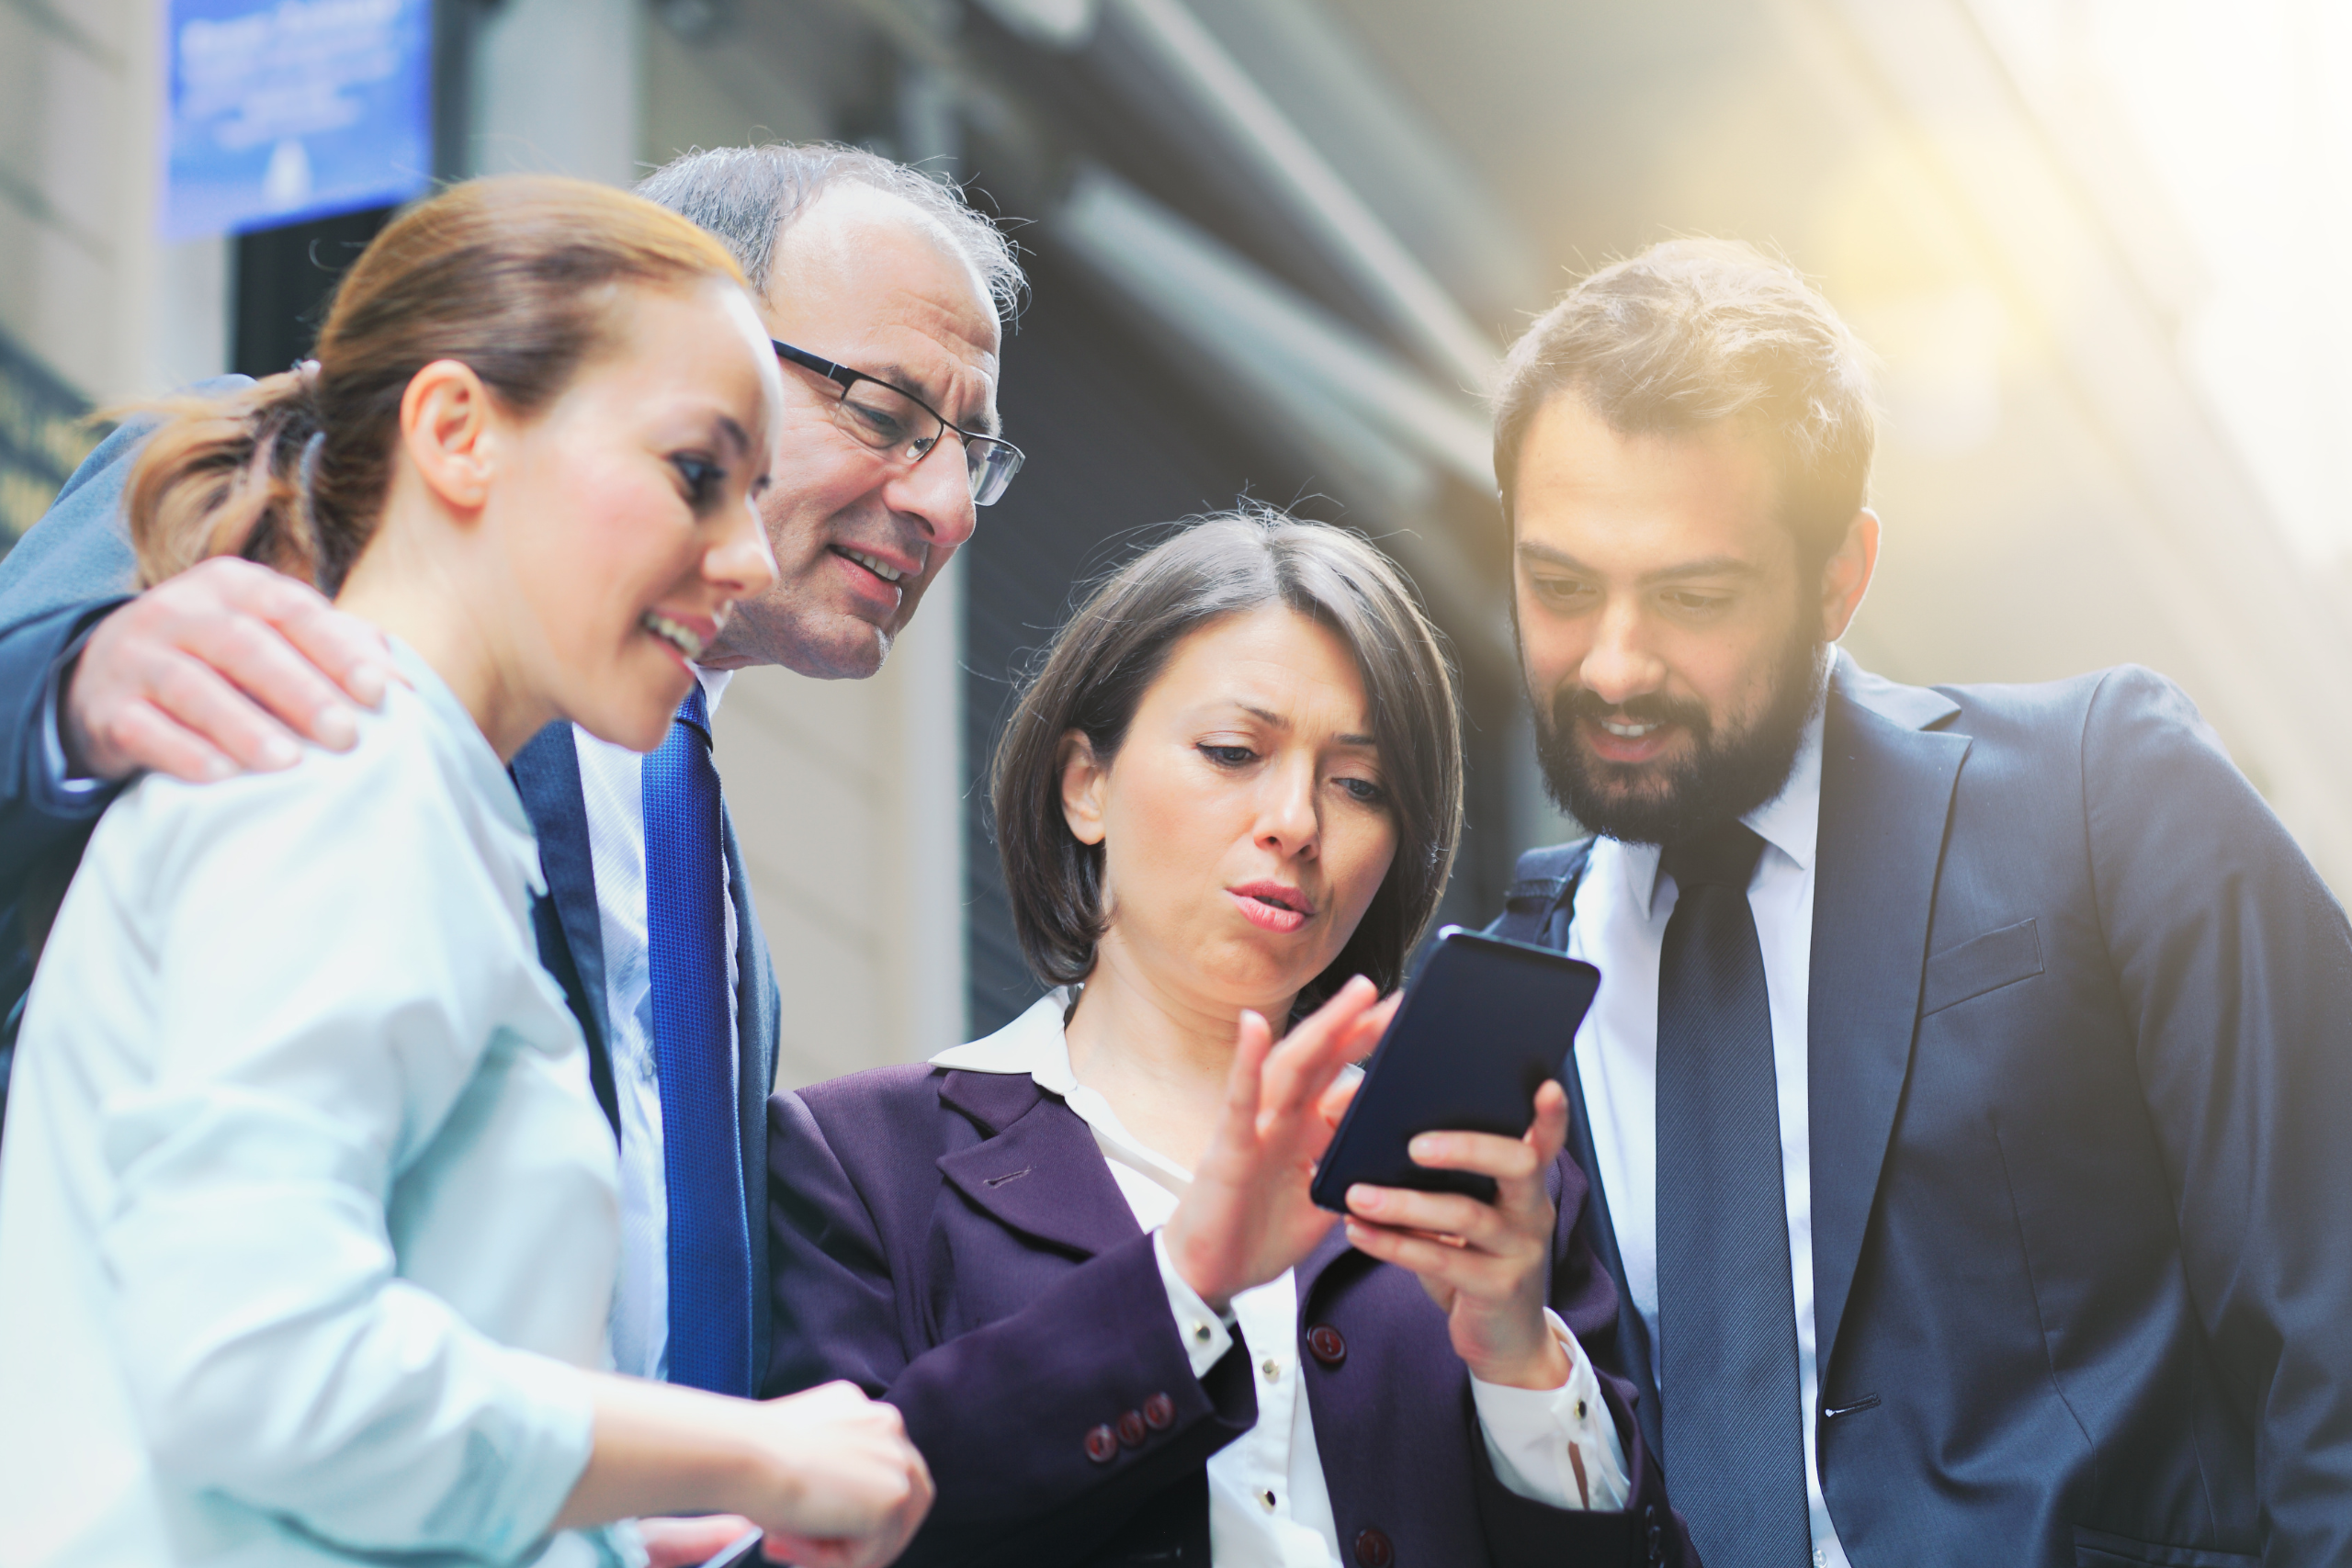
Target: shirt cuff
(1207, 1336)
(1555, 1446)
(540, 1455)
(60, 791)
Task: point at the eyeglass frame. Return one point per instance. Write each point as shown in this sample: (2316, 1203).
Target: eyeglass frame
(847, 379)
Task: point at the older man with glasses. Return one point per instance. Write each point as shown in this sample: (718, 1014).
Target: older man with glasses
(894, 287)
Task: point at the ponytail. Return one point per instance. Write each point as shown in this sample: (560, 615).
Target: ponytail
(510, 276)
(233, 474)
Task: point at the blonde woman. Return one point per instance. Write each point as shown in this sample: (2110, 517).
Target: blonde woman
(308, 1223)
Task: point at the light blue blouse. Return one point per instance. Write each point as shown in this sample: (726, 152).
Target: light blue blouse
(306, 1216)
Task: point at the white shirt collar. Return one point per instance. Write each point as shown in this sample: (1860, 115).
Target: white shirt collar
(1035, 1044)
(484, 772)
(713, 686)
(1789, 822)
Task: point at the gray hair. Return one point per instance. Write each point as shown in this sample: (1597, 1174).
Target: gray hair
(745, 196)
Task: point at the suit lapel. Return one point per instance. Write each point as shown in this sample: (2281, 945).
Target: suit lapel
(546, 775)
(1632, 1349)
(757, 1017)
(1039, 1171)
(1886, 792)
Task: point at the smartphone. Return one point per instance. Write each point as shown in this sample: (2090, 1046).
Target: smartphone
(1483, 1024)
(736, 1552)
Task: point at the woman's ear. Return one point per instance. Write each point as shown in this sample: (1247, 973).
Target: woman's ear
(1083, 782)
(447, 432)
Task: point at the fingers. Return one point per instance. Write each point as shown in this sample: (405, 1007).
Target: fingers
(1516, 1164)
(1505, 1159)
(683, 1543)
(862, 1486)
(1253, 1039)
(1336, 1100)
(346, 649)
(1436, 1214)
(282, 645)
(196, 695)
(221, 667)
(1549, 1135)
(1312, 1055)
(1468, 1270)
(141, 735)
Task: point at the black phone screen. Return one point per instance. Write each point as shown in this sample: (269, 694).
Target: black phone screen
(1481, 1027)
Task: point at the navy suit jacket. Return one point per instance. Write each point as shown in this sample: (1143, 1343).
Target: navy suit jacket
(74, 566)
(953, 1242)
(60, 580)
(2081, 1054)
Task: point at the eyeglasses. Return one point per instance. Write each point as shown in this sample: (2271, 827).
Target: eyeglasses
(893, 420)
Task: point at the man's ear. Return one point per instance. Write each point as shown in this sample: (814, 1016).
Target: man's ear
(1846, 576)
(447, 430)
(1083, 782)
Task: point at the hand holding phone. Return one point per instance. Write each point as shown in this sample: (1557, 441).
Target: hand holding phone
(1441, 1163)
(1482, 1026)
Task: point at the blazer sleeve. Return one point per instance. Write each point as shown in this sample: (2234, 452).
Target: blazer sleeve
(2234, 967)
(1002, 1412)
(1523, 1533)
(70, 569)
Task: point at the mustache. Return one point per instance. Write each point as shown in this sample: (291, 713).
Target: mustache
(1573, 703)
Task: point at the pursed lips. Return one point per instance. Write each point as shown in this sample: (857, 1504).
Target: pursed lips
(1272, 906)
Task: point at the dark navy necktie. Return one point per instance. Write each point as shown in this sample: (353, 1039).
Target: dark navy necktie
(1728, 1338)
(685, 936)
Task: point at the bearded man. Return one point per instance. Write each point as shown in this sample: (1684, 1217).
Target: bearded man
(1961, 1101)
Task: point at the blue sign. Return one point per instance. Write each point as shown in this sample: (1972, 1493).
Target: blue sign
(288, 109)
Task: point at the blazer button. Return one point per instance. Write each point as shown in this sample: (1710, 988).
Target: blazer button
(1324, 1343)
(1131, 1429)
(1374, 1551)
(1159, 1413)
(1101, 1445)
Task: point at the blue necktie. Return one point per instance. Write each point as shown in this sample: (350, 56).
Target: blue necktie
(1727, 1334)
(686, 932)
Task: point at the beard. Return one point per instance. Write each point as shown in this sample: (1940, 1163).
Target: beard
(1723, 777)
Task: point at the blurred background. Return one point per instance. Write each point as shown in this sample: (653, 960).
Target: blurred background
(1275, 248)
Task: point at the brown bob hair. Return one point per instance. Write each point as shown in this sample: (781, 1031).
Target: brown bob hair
(1094, 675)
(1695, 333)
(512, 276)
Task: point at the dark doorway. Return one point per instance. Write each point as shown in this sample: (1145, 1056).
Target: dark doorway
(284, 279)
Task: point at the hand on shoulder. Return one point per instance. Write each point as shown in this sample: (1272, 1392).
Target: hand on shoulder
(216, 671)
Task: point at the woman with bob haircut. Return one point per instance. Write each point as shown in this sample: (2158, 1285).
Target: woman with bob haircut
(1080, 1254)
(308, 1222)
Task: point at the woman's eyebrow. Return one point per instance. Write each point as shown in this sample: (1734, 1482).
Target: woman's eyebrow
(733, 434)
(1279, 722)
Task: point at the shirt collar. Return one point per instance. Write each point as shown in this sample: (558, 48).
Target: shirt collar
(713, 686)
(484, 770)
(1789, 822)
(1035, 1044)
(1032, 1044)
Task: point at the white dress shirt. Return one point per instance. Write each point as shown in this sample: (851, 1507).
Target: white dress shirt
(612, 780)
(1622, 907)
(306, 1217)
(1269, 1504)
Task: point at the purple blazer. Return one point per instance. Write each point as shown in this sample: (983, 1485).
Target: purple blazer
(953, 1242)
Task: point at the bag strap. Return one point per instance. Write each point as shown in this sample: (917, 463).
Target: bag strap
(1542, 882)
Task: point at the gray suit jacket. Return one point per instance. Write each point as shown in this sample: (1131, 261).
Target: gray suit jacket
(75, 564)
(2081, 1051)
